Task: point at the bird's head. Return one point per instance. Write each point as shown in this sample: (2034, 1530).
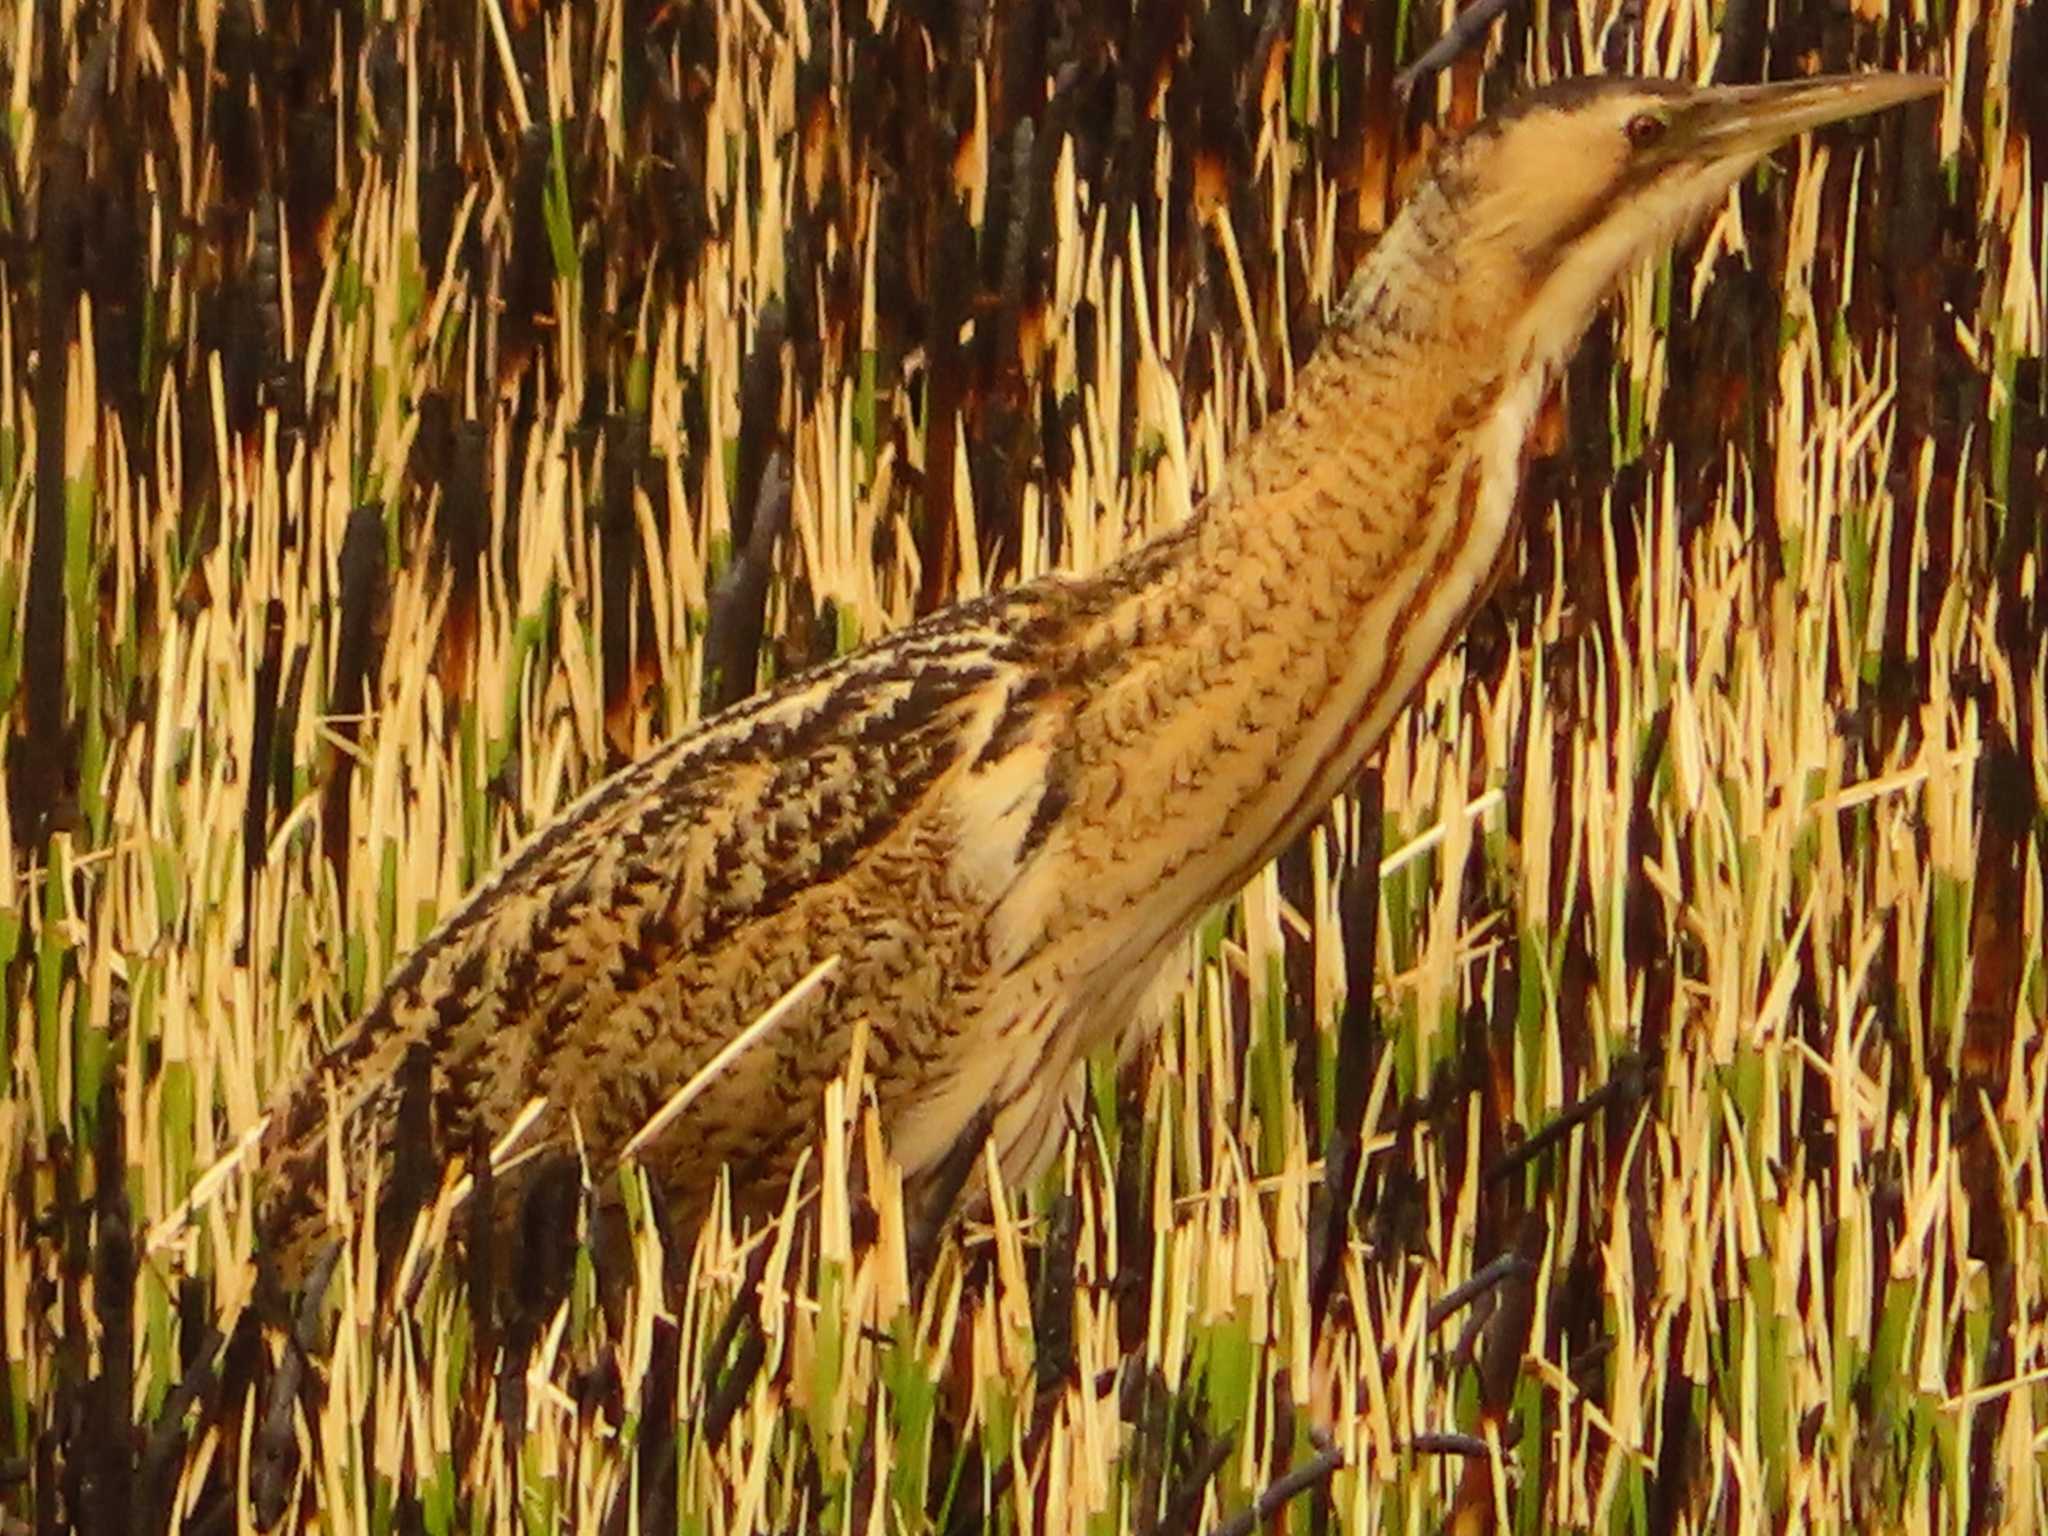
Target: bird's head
(1544, 206)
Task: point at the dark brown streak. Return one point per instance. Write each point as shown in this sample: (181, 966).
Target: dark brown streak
(1052, 804)
(1021, 709)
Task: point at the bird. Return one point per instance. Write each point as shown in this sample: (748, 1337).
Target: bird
(983, 838)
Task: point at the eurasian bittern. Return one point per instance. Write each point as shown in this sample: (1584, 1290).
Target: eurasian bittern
(1002, 820)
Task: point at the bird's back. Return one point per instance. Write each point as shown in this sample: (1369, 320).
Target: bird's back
(650, 923)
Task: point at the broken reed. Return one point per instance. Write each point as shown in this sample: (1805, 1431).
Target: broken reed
(408, 500)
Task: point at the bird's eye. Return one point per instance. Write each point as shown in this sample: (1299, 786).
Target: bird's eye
(1644, 129)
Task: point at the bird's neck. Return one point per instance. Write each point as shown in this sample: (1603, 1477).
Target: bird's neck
(1250, 662)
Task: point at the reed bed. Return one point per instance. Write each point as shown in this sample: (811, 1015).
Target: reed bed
(406, 418)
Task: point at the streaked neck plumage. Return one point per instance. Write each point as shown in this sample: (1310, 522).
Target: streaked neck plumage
(1239, 670)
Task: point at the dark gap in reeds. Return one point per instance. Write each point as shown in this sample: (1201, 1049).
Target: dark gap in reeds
(660, 1439)
(527, 291)
(41, 766)
(1647, 947)
(273, 1447)
(355, 664)
(1359, 1044)
(1305, 1033)
(949, 256)
(278, 381)
(202, 1349)
(2022, 613)
(1916, 282)
(760, 516)
(63, 1223)
(226, 329)
(1680, 1444)
(1000, 453)
(106, 1494)
(1988, 1511)
(281, 766)
(1135, 1232)
(737, 1351)
(1588, 465)
(738, 605)
(1507, 1334)
(262, 782)
(627, 602)
(448, 458)
(115, 275)
(310, 189)
(1989, 1053)
(235, 126)
(1052, 1314)
(540, 1265)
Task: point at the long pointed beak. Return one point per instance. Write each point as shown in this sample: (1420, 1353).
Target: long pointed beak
(1729, 122)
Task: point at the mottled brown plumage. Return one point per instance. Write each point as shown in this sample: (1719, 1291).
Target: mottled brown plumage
(1002, 820)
